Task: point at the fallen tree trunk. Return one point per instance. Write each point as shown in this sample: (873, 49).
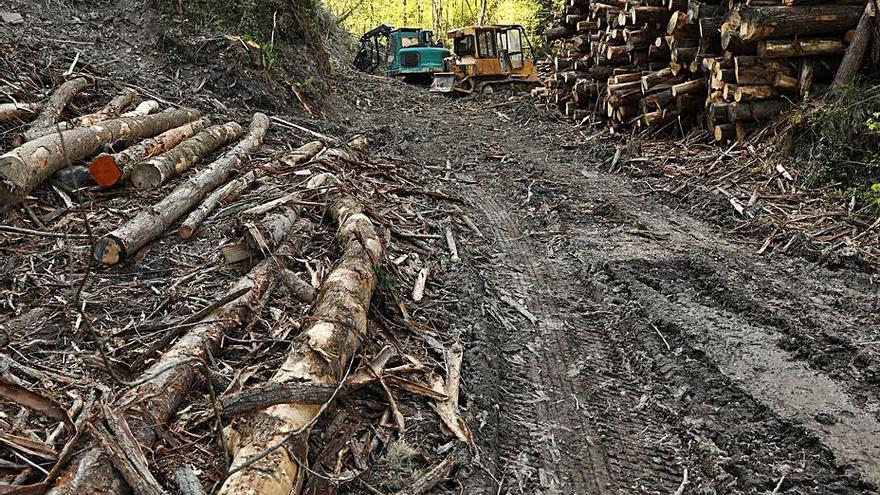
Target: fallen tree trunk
(108, 170)
(169, 381)
(319, 355)
(9, 111)
(25, 167)
(231, 189)
(152, 222)
(53, 109)
(156, 171)
(112, 110)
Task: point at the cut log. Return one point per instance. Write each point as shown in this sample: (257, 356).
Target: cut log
(268, 232)
(144, 108)
(152, 222)
(319, 355)
(24, 168)
(757, 110)
(689, 87)
(111, 169)
(54, 107)
(801, 47)
(761, 23)
(223, 194)
(112, 110)
(169, 380)
(852, 60)
(302, 154)
(753, 93)
(153, 172)
(9, 111)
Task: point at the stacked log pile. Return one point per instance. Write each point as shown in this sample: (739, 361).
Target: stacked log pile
(649, 64)
(270, 330)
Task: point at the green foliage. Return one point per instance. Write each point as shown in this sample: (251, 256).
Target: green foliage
(360, 16)
(838, 140)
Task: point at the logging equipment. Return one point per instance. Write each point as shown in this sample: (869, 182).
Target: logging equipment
(486, 57)
(408, 52)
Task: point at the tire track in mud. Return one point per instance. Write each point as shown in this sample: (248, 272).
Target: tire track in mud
(575, 400)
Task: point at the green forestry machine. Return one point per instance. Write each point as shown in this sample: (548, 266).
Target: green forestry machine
(409, 52)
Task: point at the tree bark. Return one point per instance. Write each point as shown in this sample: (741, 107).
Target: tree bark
(852, 60)
(24, 168)
(153, 172)
(760, 23)
(222, 194)
(152, 222)
(108, 170)
(319, 356)
(54, 107)
(801, 47)
(9, 111)
(302, 154)
(169, 381)
(265, 234)
(112, 110)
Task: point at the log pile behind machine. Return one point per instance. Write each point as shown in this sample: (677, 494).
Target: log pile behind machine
(655, 64)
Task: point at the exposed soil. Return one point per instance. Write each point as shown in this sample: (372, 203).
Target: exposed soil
(614, 343)
(659, 344)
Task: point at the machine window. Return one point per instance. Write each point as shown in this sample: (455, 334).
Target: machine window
(486, 43)
(464, 45)
(409, 42)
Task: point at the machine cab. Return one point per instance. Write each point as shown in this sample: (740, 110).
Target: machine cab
(413, 51)
(493, 51)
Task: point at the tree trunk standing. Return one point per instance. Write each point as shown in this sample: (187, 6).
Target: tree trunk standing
(155, 171)
(404, 12)
(319, 355)
(483, 12)
(25, 167)
(852, 60)
(156, 400)
(152, 222)
(108, 170)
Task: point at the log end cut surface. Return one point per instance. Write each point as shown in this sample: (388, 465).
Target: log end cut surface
(105, 171)
(108, 251)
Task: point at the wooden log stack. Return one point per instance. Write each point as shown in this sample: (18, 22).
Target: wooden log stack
(670, 64)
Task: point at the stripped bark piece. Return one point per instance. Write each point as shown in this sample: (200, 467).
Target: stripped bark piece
(120, 444)
(110, 169)
(270, 394)
(223, 194)
(319, 355)
(25, 167)
(302, 154)
(112, 110)
(448, 409)
(50, 114)
(156, 171)
(169, 381)
(32, 400)
(9, 111)
(152, 222)
(435, 475)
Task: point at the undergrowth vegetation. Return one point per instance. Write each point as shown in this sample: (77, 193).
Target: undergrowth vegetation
(298, 39)
(834, 142)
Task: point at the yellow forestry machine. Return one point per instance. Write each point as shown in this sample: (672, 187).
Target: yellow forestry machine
(485, 58)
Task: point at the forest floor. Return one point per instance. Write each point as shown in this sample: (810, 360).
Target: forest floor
(614, 340)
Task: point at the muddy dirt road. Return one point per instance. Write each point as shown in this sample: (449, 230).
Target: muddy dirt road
(617, 345)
